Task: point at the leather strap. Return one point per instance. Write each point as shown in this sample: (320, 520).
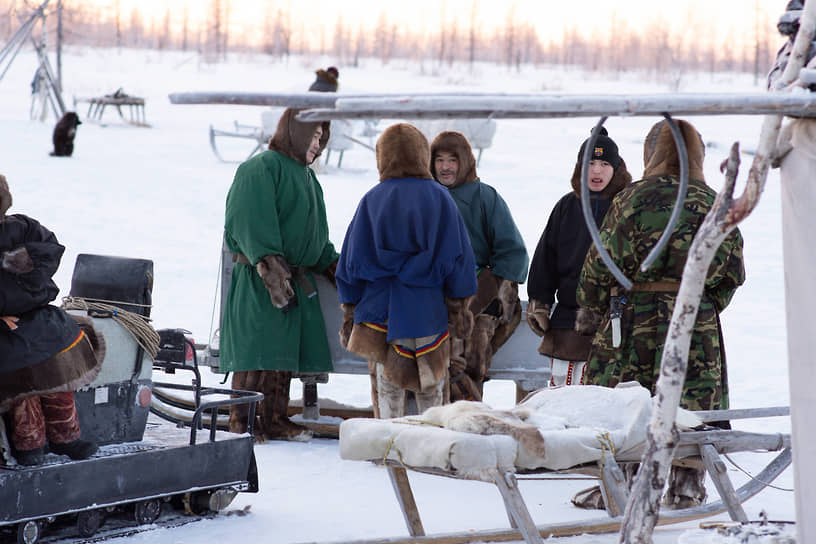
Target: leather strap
(240, 258)
(649, 287)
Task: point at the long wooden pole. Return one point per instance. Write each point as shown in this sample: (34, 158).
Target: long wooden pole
(469, 105)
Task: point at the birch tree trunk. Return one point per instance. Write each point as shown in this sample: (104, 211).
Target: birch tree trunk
(642, 509)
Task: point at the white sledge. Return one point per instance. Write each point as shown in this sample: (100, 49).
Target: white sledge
(607, 432)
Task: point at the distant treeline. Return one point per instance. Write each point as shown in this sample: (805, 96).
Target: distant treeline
(659, 47)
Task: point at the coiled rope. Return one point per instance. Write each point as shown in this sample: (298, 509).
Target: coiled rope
(137, 325)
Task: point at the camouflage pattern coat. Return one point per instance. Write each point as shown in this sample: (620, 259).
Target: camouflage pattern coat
(630, 230)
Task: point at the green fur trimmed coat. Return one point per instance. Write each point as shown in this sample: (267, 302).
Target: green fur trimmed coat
(275, 207)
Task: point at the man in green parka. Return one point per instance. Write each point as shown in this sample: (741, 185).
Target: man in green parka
(631, 349)
(501, 261)
(276, 227)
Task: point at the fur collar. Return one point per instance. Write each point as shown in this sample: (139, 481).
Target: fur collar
(455, 143)
(5, 197)
(620, 179)
(403, 152)
(292, 137)
(660, 154)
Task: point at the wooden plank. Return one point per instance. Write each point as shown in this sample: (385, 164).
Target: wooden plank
(745, 413)
(516, 507)
(613, 486)
(405, 497)
(719, 475)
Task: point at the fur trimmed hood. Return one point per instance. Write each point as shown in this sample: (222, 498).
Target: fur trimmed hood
(455, 143)
(621, 178)
(5, 197)
(660, 154)
(292, 137)
(403, 152)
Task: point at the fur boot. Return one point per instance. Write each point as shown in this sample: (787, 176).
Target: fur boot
(372, 376)
(239, 413)
(478, 350)
(274, 419)
(686, 488)
(461, 385)
(390, 396)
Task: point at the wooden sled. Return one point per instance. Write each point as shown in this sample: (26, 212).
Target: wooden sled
(696, 448)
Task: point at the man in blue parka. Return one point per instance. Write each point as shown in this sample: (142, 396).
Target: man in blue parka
(404, 275)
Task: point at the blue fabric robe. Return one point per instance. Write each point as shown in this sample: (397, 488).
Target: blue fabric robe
(405, 250)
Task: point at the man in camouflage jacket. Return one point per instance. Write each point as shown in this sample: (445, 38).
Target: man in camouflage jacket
(630, 230)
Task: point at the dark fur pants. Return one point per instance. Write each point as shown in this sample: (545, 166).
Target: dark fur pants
(52, 416)
(249, 380)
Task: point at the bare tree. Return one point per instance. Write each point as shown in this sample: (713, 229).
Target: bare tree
(474, 13)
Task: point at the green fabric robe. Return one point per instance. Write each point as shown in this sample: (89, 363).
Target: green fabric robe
(275, 207)
(496, 241)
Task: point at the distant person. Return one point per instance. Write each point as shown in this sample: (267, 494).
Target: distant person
(633, 225)
(326, 80)
(405, 272)
(276, 227)
(559, 256)
(44, 354)
(501, 261)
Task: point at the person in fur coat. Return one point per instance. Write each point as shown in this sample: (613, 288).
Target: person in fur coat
(559, 256)
(326, 81)
(276, 227)
(44, 354)
(405, 273)
(501, 261)
(633, 225)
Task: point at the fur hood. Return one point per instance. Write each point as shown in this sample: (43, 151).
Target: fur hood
(621, 178)
(456, 144)
(292, 137)
(403, 152)
(660, 154)
(5, 197)
(328, 77)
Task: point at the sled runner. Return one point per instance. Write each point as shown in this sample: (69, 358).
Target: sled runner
(412, 444)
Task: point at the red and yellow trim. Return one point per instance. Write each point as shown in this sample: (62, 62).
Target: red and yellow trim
(78, 339)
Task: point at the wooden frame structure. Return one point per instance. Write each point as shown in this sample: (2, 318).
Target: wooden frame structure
(696, 448)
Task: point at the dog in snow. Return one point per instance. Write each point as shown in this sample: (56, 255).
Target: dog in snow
(64, 134)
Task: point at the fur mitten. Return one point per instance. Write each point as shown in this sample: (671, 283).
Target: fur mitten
(508, 299)
(17, 261)
(348, 324)
(587, 321)
(275, 274)
(460, 318)
(538, 316)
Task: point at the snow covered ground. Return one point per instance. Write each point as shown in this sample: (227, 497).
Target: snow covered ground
(158, 193)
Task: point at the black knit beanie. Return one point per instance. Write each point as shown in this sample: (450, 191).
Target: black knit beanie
(604, 149)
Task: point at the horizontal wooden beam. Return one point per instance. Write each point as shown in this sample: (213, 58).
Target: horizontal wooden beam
(553, 106)
(297, 100)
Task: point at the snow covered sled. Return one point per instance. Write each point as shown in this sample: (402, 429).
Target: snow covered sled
(587, 430)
